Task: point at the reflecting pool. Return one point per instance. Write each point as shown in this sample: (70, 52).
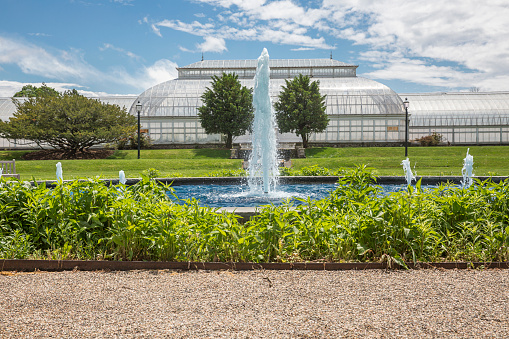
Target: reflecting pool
(242, 196)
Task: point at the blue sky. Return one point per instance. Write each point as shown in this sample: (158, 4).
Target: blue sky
(109, 47)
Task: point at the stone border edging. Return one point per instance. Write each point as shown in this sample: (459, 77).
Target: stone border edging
(395, 180)
(97, 265)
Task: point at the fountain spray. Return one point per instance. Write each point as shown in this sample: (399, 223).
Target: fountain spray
(60, 177)
(263, 164)
(121, 177)
(466, 171)
(408, 171)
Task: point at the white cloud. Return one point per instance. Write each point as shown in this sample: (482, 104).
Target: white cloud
(156, 30)
(302, 49)
(470, 36)
(183, 49)
(162, 70)
(39, 34)
(455, 43)
(195, 28)
(32, 59)
(284, 34)
(70, 68)
(282, 22)
(131, 55)
(212, 44)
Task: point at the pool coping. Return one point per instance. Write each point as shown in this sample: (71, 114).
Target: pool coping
(395, 180)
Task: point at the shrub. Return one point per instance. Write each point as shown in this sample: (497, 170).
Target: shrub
(131, 142)
(151, 173)
(227, 173)
(313, 170)
(431, 140)
(85, 219)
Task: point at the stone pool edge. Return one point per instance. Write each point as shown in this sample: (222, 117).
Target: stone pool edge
(395, 180)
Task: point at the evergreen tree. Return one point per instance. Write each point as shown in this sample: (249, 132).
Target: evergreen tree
(69, 122)
(227, 108)
(301, 108)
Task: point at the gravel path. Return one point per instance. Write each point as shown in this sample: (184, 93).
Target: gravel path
(256, 304)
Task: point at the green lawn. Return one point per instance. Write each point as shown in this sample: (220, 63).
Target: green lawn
(488, 160)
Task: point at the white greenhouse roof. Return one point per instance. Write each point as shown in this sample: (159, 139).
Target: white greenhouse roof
(349, 95)
(273, 63)
(458, 109)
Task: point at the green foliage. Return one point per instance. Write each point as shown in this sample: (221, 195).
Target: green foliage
(69, 122)
(431, 140)
(227, 107)
(227, 173)
(301, 108)
(131, 142)
(30, 91)
(313, 170)
(88, 220)
(151, 173)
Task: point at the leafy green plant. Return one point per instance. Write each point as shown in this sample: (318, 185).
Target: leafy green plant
(151, 173)
(87, 220)
(227, 173)
(131, 141)
(313, 170)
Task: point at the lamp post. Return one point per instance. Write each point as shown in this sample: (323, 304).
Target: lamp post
(406, 104)
(138, 109)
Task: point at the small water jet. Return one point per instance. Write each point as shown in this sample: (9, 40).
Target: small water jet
(263, 162)
(467, 170)
(60, 177)
(121, 177)
(408, 171)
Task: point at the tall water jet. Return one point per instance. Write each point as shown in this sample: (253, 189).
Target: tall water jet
(60, 177)
(263, 163)
(466, 171)
(408, 171)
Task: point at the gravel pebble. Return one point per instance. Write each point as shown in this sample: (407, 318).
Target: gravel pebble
(256, 304)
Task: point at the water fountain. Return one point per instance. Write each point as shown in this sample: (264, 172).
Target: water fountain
(121, 177)
(408, 171)
(60, 177)
(466, 171)
(263, 162)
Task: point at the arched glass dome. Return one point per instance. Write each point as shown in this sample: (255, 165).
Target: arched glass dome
(362, 105)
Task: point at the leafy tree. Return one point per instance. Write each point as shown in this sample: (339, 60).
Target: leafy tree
(228, 108)
(301, 108)
(69, 122)
(34, 91)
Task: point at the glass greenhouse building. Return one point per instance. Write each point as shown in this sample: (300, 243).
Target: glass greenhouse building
(462, 118)
(361, 111)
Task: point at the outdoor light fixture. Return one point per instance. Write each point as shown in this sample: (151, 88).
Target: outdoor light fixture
(406, 104)
(138, 109)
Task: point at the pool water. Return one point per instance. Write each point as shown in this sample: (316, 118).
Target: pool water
(241, 196)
